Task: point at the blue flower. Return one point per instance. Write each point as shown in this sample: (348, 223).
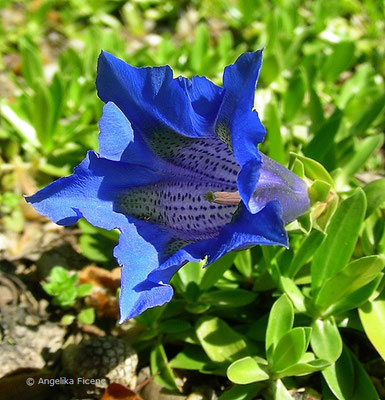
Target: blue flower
(178, 173)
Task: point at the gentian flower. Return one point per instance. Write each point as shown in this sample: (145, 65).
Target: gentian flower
(178, 173)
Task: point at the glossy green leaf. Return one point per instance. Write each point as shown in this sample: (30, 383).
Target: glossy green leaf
(353, 277)
(199, 48)
(288, 286)
(365, 120)
(83, 289)
(220, 342)
(323, 139)
(300, 369)
(315, 109)
(346, 371)
(279, 390)
(340, 60)
(375, 195)
(314, 170)
(213, 272)
(174, 326)
(86, 316)
(42, 115)
(271, 72)
(22, 127)
(280, 322)
(241, 392)
(31, 62)
(293, 96)
(228, 297)
(362, 154)
(355, 299)
(161, 369)
(326, 340)
(246, 370)
(372, 316)
(243, 262)
(289, 349)
(273, 126)
(191, 357)
(342, 233)
(318, 191)
(305, 252)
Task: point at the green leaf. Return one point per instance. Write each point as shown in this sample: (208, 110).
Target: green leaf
(31, 63)
(293, 96)
(288, 286)
(174, 326)
(83, 289)
(216, 270)
(348, 380)
(58, 274)
(280, 322)
(372, 316)
(192, 358)
(375, 195)
(289, 349)
(315, 109)
(314, 170)
(96, 247)
(220, 342)
(57, 97)
(365, 120)
(279, 390)
(244, 263)
(160, 368)
(191, 273)
(246, 370)
(23, 128)
(276, 149)
(228, 298)
(319, 191)
(326, 340)
(355, 299)
(305, 252)
(300, 369)
(362, 154)
(270, 70)
(66, 297)
(67, 319)
(199, 48)
(353, 277)
(342, 233)
(340, 60)
(241, 392)
(86, 316)
(42, 115)
(323, 139)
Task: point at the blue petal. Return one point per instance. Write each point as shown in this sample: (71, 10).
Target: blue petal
(206, 99)
(149, 97)
(138, 252)
(90, 192)
(238, 125)
(265, 227)
(278, 183)
(115, 133)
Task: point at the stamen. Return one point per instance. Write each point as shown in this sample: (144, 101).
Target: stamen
(224, 198)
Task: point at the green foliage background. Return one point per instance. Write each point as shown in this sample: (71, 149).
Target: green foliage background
(269, 319)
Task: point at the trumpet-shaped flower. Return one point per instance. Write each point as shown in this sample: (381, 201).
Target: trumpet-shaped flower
(178, 173)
